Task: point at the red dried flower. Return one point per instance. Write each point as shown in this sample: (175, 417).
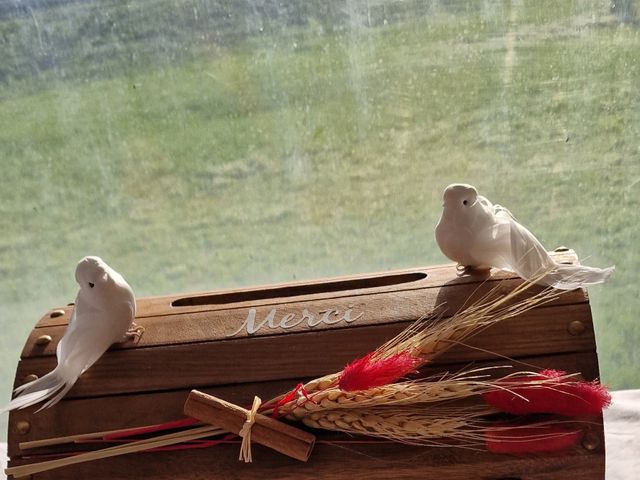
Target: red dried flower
(366, 373)
(530, 439)
(549, 392)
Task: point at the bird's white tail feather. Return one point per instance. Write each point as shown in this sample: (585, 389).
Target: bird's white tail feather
(54, 382)
(49, 380)
(32, 398)
(569, 277)
(58, 397)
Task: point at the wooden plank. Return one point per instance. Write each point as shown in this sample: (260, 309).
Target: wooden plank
(538, 332)
(84, 415)
(303, 290)
(363, 284)
(369, 309)
(331, 462)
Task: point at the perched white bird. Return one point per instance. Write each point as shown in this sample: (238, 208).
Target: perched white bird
(475, 233)
(103, 314)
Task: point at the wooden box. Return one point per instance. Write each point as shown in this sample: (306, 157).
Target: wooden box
(263, 341)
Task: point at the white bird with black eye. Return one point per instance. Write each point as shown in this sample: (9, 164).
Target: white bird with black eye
(103, 314)
(477, 234)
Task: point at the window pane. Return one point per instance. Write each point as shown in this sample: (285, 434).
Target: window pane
(202, 144)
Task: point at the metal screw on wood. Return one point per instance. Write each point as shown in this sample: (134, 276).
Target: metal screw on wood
(43, 340)
(23, 427)
(590, 441)
(30, 378)
(576, 328)
(56, 313)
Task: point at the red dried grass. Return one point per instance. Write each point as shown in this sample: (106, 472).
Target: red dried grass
(367, 372)
(550, 391)
(530, 439)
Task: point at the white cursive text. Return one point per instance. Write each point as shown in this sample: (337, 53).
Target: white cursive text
(273, 321)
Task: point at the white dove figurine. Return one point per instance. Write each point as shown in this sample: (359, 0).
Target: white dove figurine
(103, 314)
(475, 233)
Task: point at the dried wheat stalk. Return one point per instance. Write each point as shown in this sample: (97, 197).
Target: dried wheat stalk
(405, 425)
(430, 336)
(430, 390)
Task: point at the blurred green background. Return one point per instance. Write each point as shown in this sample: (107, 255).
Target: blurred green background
(204, 144)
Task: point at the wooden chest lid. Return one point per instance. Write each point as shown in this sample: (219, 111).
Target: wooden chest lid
(297, 330)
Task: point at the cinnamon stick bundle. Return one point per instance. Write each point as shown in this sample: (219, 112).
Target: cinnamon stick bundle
(266, 431)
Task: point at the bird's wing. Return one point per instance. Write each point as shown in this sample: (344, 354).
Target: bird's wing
(528, 257)
(490, 246)
(531, 261)
(506, 244)
(91, 334)
(500, 210)
(70, 327)
(76, 329)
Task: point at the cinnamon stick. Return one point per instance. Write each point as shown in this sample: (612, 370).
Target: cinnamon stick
(266, 431)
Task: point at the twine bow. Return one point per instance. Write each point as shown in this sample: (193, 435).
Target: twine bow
(245, 432)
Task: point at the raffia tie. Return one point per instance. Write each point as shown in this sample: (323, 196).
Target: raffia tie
(245, 432)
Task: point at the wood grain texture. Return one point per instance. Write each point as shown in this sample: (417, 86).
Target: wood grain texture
(188, 346)
(373, 309)
(436, 276)
(75, 416)
(308, 354)
(374, 461)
